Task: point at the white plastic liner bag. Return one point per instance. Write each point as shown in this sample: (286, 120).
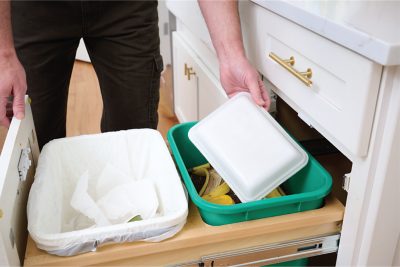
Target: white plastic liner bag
(87, 188)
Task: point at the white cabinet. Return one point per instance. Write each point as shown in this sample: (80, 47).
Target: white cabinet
(185, 81)
(340, 103)
(82, 53)
(163, 26)
(197, 92)
(211, 93)
(354, 102)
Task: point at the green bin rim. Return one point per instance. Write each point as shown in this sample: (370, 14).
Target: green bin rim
(321, 192)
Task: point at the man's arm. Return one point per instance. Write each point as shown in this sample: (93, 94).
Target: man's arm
(12, 74)
(237, 74)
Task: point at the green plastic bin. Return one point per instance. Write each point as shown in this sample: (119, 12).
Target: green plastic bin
(305, 190)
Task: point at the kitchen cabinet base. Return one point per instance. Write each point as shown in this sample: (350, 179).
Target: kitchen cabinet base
(198, 240)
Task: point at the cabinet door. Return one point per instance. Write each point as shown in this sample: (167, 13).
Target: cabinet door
(185, 81)
(211, 93)
(17, 168)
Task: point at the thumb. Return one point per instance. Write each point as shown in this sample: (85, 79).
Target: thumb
(19, 106)
(255, 91)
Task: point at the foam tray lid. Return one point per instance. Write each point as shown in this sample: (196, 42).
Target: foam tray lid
(247, 147)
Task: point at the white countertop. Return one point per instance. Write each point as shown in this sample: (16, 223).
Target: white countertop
(370, 28)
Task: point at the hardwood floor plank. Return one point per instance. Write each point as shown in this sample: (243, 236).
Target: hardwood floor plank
(3, 134)
(85, 104)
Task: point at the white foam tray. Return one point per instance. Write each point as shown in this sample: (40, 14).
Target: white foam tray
(248, 148)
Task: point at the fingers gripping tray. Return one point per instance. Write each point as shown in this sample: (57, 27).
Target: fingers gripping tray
(112, 187)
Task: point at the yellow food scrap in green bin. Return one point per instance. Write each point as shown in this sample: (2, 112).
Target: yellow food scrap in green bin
(222, 200)
(277, 192)
(219, 195)
(215, 190)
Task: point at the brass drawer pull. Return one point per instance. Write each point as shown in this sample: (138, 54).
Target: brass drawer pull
(288, 65)
(189, 71)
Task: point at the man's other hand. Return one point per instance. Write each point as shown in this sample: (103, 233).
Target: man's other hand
(12, 84)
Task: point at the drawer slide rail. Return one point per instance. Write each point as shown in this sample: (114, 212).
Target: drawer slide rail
(271, 253)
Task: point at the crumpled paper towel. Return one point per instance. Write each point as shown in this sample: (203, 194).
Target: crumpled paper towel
(117, 199)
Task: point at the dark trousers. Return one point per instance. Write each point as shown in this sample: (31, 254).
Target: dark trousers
(123, 44)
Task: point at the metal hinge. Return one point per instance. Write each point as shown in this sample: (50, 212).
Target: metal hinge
(24, 163)
(346, 182)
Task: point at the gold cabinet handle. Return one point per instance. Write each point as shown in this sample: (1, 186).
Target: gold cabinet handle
(189, 72)
(288, 65)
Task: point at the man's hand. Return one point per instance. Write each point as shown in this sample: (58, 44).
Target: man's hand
(241, 76)
(12, 74)
(237, 74)
(12, 83)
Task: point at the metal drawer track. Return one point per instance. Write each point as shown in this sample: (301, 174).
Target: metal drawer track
(271, 253)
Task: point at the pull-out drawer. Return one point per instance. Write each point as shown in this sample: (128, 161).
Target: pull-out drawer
(266, 240)
(279, 238)
(338, 99)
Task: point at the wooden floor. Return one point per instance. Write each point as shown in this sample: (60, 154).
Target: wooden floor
(3, 133)
(85, 104)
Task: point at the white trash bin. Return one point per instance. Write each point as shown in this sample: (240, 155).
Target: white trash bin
(88, 188)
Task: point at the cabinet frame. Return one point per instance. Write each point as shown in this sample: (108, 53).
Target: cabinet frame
(374, 177)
